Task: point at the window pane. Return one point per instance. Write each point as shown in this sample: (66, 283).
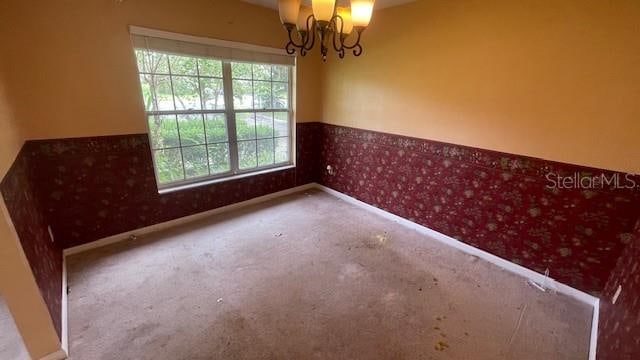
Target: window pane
(245, 126)
(141, 59)
(191, 129)
(163, 131)
(195, 161)
(168, 165)
(265, 152)
(219, 158)
(182, 65)
(264, 125)
(187, 93)
(212, 93)
(157, 63)
(147, 93)
(280, 95)
(247, 154)
(261, 95)
(282, 149)
(280, 73)
(281, 123)
(261, 72)
(157, 86)
(208, 67)
(242, 94)
(241, 70)
(216, 125)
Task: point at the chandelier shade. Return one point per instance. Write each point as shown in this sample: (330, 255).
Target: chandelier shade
(323, 9)
(331, 26)
(361, 11)
(303, 16)
(288, 10)
(345, 24)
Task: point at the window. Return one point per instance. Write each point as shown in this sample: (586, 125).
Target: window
(213, 118)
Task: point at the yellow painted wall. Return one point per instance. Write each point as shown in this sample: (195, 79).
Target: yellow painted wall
(11, 138)
(71, 69)
(17, 284)
(556, 79)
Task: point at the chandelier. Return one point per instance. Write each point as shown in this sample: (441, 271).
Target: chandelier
(326, 23)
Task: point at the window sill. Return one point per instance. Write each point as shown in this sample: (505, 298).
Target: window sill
(171, 189)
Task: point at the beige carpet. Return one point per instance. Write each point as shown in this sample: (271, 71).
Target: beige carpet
(309, 276)
(11, 345)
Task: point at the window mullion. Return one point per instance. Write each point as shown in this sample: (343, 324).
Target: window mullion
(204, 123)
(173, 95)
(290, 118)
(231, 116)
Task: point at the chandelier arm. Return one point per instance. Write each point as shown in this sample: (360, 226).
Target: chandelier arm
(356, 47)
(337, 34)
(358, 50)
(311, 33)
(356, 44)
(292, 45)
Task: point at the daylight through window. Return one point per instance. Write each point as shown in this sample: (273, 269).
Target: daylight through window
(211, 118)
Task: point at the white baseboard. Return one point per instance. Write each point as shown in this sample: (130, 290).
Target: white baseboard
(183, 220)
(505, 264)
(58, 355)
(65, 325)
(593, 343)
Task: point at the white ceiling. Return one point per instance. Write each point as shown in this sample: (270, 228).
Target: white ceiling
(379, 4)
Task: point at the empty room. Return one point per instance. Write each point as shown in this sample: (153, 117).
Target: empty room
(320, 179)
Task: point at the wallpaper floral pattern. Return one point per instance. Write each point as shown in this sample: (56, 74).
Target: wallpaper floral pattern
(619, 326)
(96, 187)
(494, 201)
(91, 188)
(44, 256)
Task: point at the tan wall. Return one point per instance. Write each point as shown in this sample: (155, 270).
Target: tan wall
(17, 284)
(11, 139)
(71, 68)
(555, 79)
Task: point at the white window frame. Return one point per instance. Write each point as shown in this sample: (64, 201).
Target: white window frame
(229, 111)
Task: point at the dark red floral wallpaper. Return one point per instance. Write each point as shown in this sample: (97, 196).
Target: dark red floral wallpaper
(96, 187)
(619, 327)
(494, 201)
(45, 256)
(90, 188)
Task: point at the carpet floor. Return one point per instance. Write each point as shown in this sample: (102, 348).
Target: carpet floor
(11, 345)
(309, 276)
